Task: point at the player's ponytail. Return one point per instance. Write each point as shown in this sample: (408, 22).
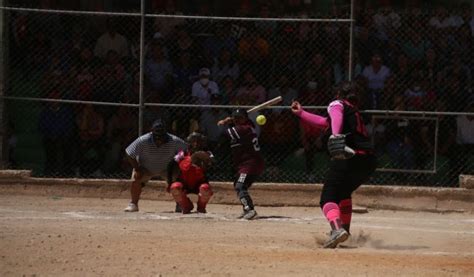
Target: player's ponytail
(347, 90)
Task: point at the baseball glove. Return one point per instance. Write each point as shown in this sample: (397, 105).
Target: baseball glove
(201, 159)
(338, 150)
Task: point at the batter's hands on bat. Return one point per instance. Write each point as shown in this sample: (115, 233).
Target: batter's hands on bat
(296, 107)
(224, 121)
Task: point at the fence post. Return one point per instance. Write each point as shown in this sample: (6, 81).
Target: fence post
(3, 58)
(142, 55)
(351, 42)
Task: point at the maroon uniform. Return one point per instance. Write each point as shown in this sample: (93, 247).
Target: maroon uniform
(245, 149)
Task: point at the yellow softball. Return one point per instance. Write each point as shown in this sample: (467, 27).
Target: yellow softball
(261, 119)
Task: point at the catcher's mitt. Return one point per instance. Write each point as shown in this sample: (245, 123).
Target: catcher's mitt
(201, 159)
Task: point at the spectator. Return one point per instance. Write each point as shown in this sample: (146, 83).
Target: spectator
(185, 72)
(417, 97)
(456, 94)
(229, 91)
(312, 94)
(157, 69)
(166, 26)
(376, 74)
(219, 41)
(91, 139)
(111, 40)
(110, 79)
(56, 124)
(441, 19)
(465, 139)
(323, 71)
(386, 22)
(365, 44)
(341, 68)
(208, 122)
(402, 131)
(415, 48)
(376, 130)
(464, 44)
(285, 90)
(184, 43)
(431, 66)
(121, 130)
(251, 92)
(225, 65)
(312, 140)
(266, 28)
(204, 88)
(254, 50)
(184, 121)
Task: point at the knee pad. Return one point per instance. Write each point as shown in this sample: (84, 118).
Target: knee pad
(176, 190)
(205, 190)
(176, 186)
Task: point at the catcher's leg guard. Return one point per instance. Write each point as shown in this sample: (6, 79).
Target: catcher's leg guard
(177, 190)
(205, 193)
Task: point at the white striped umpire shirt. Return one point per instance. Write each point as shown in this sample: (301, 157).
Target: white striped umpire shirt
(155, 159)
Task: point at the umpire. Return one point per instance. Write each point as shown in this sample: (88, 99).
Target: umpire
(149, 155)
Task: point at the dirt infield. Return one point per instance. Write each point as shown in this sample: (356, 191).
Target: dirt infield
(86, 236)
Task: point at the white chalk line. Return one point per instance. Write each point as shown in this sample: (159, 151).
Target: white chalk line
(217, 217)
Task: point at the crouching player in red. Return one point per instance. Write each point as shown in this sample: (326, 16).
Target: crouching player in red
(192, 166)
(246, 157)
(352, 159)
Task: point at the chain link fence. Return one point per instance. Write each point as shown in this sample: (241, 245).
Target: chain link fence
(401, 60)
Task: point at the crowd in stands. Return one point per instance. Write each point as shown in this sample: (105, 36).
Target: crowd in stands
(405, 58)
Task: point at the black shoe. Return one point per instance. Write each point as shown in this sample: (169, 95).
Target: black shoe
(178, 209)
(336, 237)
(249, 215)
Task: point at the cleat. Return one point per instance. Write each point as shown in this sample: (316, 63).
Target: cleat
(201, 210)
(336, 237)
(131, 208)
(177, 209)
(187, 210)
(249, 215)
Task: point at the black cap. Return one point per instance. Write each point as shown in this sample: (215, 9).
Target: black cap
(239, 113)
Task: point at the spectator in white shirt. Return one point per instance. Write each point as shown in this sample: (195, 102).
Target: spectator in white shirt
(376, 74)
(111, 40)
(441, 19)
(386, 21)
(204, 88)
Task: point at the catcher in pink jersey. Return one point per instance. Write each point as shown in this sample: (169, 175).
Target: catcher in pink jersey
(246, 157)
(352, 160)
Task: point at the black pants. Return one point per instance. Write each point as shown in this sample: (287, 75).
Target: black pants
(345, 176)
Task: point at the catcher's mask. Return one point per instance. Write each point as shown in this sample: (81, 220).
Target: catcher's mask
(196, 141)
(158, 130)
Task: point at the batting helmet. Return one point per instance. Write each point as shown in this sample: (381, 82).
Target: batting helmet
(239, 113)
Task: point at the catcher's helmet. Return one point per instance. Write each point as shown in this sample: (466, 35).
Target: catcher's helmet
(197, 141)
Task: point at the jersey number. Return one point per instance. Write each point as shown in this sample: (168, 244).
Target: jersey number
(255, 144)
